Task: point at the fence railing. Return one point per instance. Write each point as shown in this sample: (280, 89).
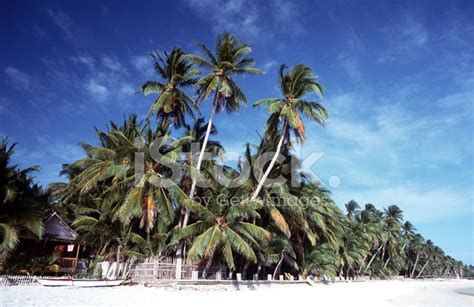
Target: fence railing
(156, 268)
(21, 280)
(67, 264)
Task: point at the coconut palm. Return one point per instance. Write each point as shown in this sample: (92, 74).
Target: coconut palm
(321, 261)
(143, 193)
(352, 208)
(22, 203)
(230, 58)
(294, 85)
(177, 73)
(223, 227)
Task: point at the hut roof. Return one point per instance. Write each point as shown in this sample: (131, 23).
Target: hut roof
(55, 229)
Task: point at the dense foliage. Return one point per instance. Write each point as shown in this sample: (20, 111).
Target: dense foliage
(22, 203)
(123, 200)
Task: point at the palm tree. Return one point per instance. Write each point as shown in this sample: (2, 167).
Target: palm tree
(417, 246)
(177, 73)
(294, 85)
(321, 261)
(22, 203)
(352, 208)
(223, 228)
(229, 59)
(140, 193)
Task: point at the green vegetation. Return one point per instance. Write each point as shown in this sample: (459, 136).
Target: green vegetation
(22, 203)
(124, 199)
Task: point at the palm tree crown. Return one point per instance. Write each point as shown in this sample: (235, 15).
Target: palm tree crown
(294, 85)
(229, 59)
(177, 73)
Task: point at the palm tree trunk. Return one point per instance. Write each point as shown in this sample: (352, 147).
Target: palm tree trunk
(272, 163)
(245, 269)
(117, 265)
(372, 259)
(419, 274)
(414, 266)
(208, 263)
(179, 251)
(280, 262)
(201, 156)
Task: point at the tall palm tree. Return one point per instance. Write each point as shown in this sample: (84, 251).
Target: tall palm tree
(230, 59)
(177, 73)
(294, 85)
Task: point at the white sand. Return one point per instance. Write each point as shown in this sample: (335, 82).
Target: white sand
(374, 293)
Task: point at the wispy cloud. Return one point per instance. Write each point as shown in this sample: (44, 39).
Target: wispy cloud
(84, 59)
(250, 19)
(269, 65)
(4, 105)
(17, 78)
(383, 152)
(143, 64)
(404, 39)
(63, 22)
(49, 154)
(235, 16)
(112, 64)
(97, 90)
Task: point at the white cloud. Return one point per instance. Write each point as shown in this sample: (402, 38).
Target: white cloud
(384, 152)
(17, 78)
(63, 21)
(404, 39)
(269, 65)
(419, 204)
(85, 59)
(49, 154)
(250, 19)
(112, 64)
(4, 105)
(143, 64)
(125, 92)
(97, 90)
(234, 16)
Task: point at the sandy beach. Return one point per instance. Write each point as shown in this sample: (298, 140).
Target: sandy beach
(373, 293)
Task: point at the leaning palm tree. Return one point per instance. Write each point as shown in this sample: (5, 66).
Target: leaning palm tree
(229, 59)
(177, 73)
(294, 85)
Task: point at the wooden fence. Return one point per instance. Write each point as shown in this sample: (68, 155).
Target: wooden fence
(21, 280)
(156, 268)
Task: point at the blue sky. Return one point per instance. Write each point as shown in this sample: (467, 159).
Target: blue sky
(399, 79)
